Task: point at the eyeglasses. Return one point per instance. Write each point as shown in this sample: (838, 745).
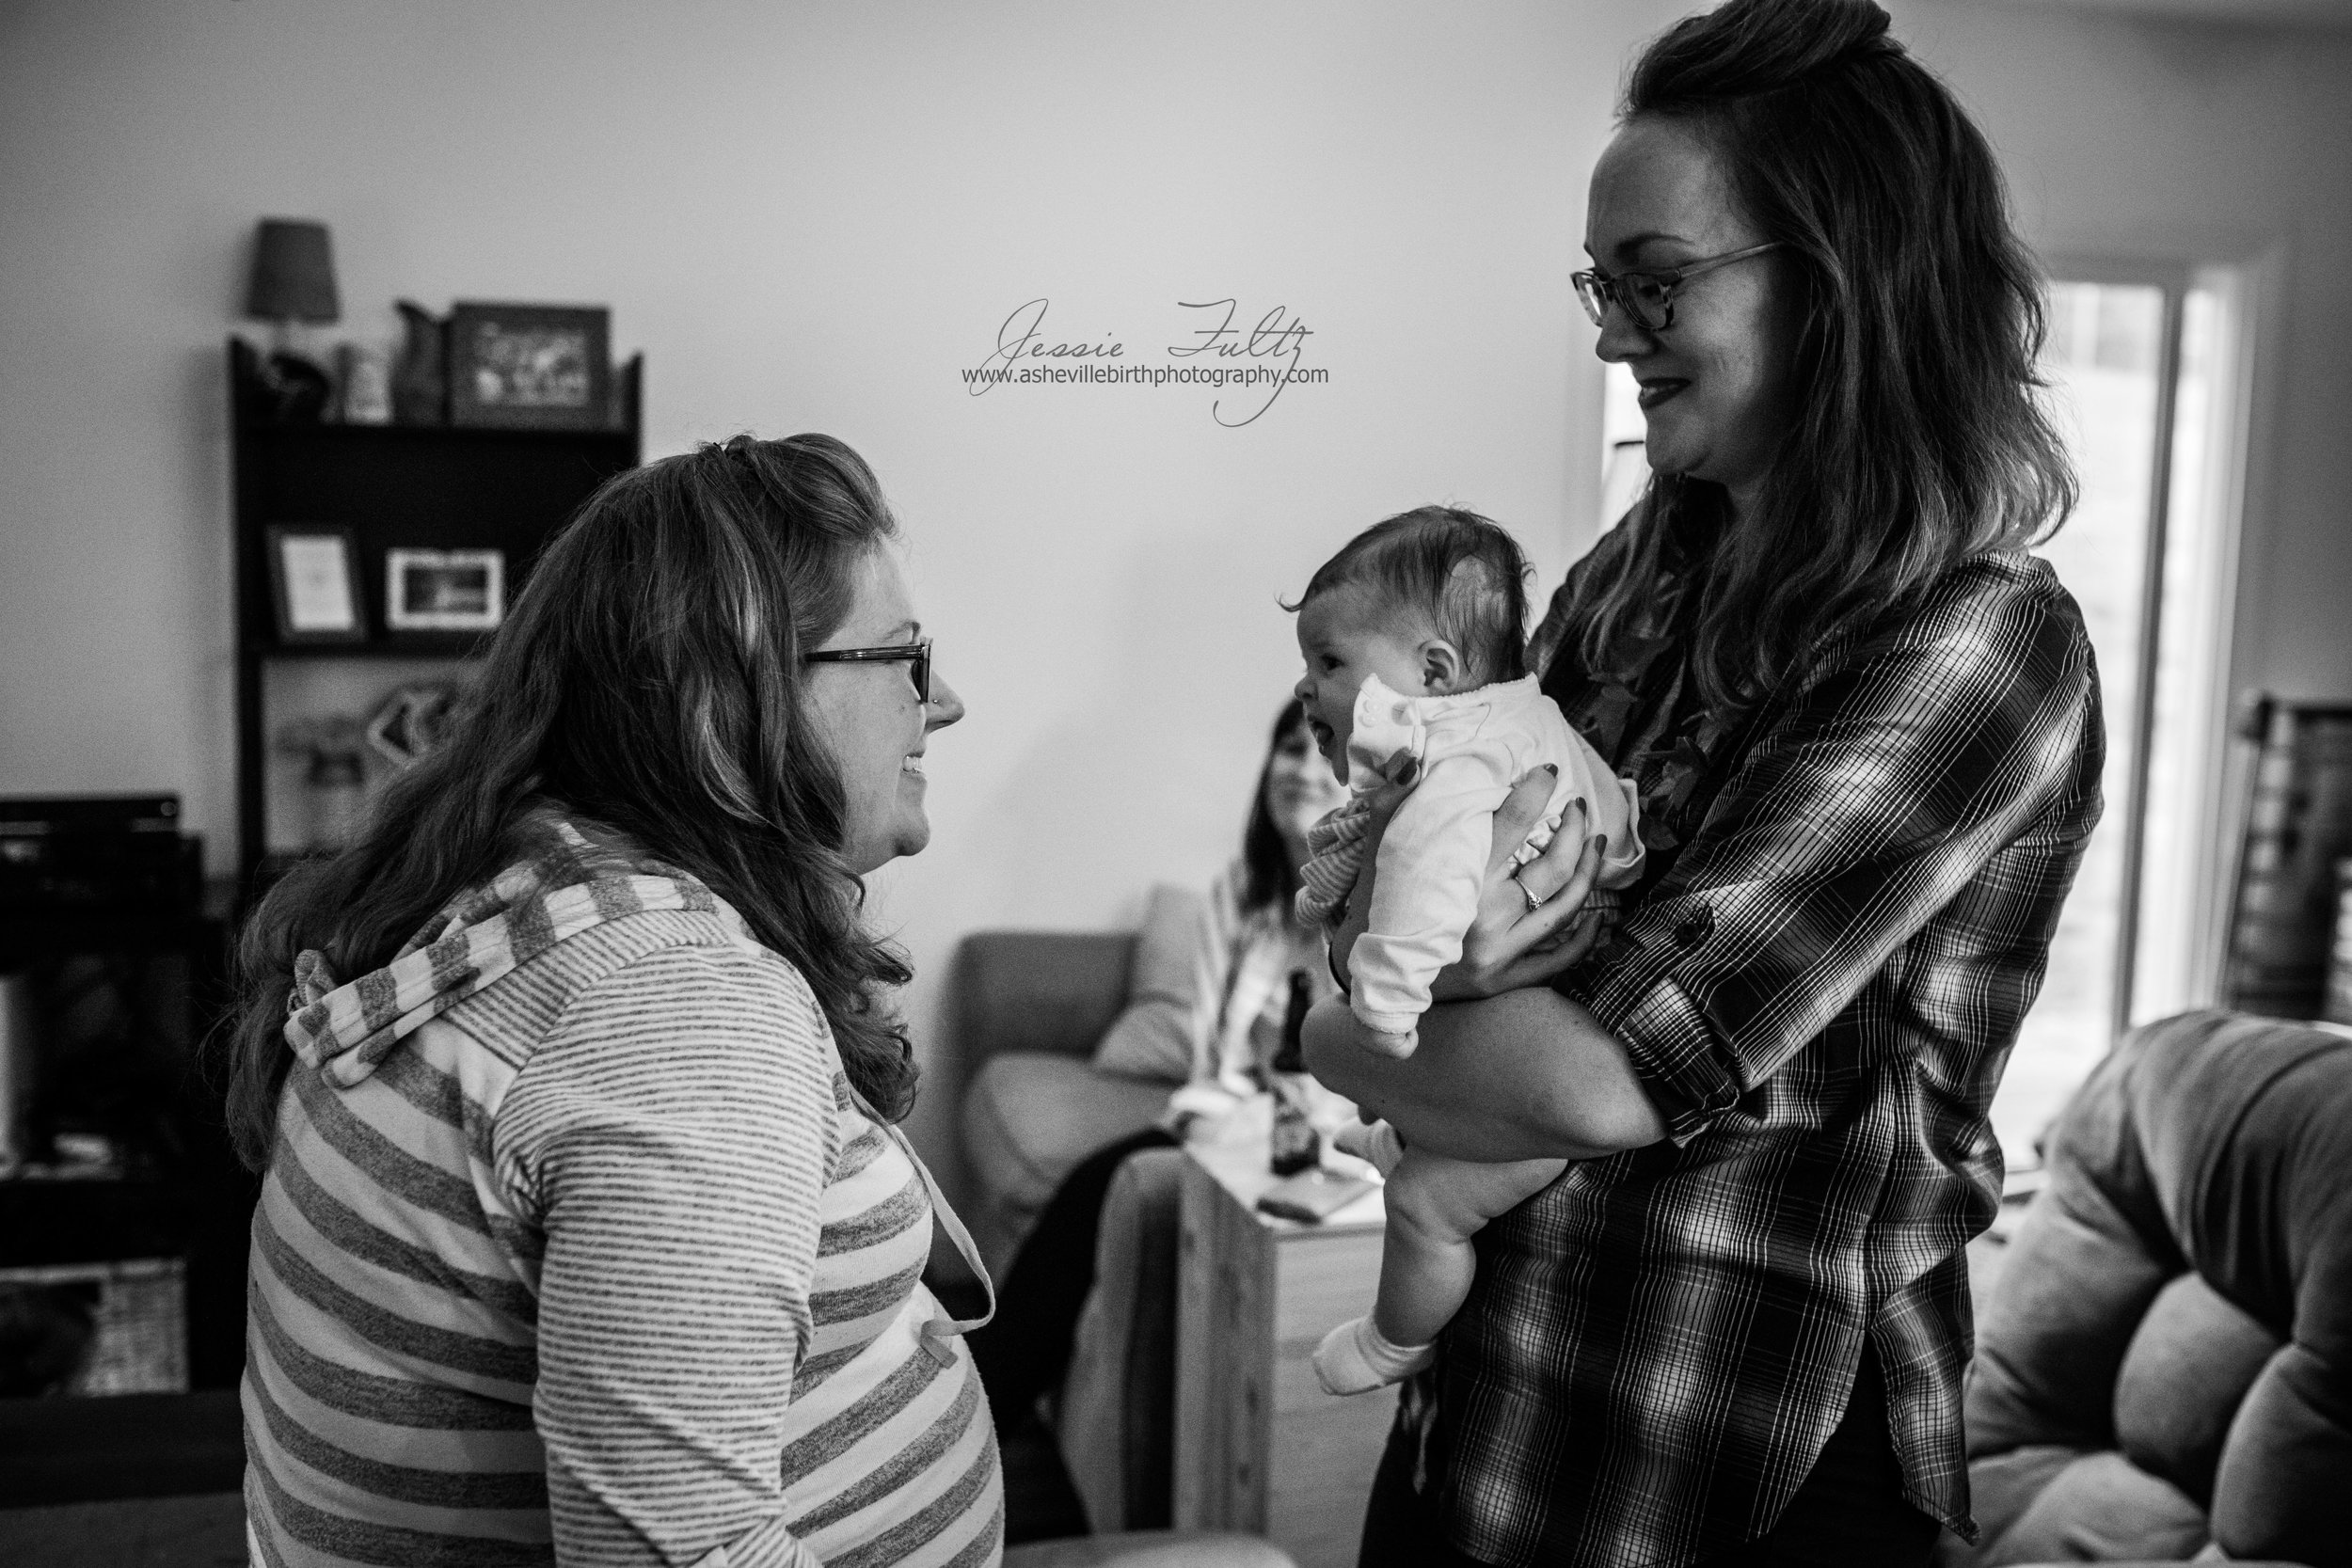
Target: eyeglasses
(917, 654)
(1648, 297)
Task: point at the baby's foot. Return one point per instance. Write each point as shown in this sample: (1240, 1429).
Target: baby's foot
(1355, 1358)
(1376, 1144)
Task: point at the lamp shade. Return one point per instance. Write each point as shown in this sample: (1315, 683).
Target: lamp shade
(294, 273)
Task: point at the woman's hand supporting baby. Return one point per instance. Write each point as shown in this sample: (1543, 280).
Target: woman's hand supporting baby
(1510, 1069)
(1511, 944)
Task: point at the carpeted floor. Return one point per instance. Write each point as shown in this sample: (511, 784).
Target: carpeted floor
(1039, 1504)
(206, 1531)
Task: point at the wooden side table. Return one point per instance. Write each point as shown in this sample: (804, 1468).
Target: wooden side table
(1259, 1446)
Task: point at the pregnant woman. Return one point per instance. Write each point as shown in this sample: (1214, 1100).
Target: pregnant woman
(586, 1235)
(1865, 728)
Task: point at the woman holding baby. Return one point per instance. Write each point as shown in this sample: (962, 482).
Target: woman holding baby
(1862, 728)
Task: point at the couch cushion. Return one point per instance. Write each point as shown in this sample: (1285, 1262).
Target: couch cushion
(2187, 1370)
(2077, 1277)
(2100, 1508)
(1152, 1038)
(1038, 991)
(1028, 1120)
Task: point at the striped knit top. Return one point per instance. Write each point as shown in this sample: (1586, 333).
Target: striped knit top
(575, 1248)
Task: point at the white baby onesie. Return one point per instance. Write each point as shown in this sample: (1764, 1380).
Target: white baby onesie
(1463, 752)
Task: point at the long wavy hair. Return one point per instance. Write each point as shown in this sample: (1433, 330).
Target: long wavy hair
(649, 680)
(1269, 879)
(1918, 438)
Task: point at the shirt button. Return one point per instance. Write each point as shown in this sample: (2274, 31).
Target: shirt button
(1696, 926)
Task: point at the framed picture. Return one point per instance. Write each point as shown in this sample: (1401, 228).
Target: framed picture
(530, 367)
(444, 590)
(314, 585)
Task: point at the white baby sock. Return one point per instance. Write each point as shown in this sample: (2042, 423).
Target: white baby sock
(1355, 1358)
(1375, 1143)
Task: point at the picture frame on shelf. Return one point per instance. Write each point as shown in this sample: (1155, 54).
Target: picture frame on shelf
(530, 367)
(444, 590)
(314, 584)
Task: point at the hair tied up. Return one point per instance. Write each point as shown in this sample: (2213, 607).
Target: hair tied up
(1756, 46)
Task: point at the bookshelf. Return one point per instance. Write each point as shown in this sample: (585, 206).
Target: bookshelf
(390, 487)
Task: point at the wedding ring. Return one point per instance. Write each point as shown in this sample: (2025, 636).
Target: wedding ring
(1527, 893)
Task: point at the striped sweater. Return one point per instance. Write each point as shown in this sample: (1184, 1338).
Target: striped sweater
(575, 1248)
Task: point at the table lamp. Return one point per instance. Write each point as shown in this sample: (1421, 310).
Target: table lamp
(293, 284)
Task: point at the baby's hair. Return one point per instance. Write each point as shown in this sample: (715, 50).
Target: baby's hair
(1463, 571)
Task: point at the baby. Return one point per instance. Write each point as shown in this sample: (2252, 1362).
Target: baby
(1412, 638)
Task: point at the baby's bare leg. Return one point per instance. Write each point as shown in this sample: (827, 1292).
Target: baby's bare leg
(1435, 1205)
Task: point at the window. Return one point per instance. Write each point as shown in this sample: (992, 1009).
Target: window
(2142, 366)
(1624, 470)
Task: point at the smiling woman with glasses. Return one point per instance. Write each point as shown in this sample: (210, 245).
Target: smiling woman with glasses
(575, 1081)
(1864, 728)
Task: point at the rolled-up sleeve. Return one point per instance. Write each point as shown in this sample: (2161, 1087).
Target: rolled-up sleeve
(1864, 803)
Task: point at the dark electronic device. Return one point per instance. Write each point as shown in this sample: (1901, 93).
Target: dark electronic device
(121, 854)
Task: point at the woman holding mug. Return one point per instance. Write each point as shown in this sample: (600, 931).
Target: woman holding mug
(1865, 728)
(586, 1233)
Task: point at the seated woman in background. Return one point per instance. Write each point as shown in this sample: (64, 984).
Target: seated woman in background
(1249, 955)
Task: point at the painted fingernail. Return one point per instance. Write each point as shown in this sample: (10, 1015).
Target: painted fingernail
(1553, 768)
(1579, 804)
(1602, 841)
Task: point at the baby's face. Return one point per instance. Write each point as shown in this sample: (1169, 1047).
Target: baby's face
(1344, 635)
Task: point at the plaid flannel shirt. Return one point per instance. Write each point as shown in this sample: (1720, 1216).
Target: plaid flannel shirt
(1846, 917)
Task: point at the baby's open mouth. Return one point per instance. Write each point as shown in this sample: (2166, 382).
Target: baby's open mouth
(1322, 732)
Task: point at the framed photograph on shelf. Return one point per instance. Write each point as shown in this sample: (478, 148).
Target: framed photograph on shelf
(314, 584)
(530, 367)
(444, 590)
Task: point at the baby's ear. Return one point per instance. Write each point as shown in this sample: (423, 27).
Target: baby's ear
(1442, 667)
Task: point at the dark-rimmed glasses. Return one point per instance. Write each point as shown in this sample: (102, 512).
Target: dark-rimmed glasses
(917, 654)
(1649, 295)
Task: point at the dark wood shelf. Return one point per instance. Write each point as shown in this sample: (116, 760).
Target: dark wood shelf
(429, 435)
(106, 931)
(391, 488)
(421, 646)
(93, 1219)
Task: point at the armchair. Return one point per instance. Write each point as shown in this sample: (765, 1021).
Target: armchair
(2165, 1365)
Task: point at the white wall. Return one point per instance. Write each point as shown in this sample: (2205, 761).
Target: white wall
(2204, 142)
(811, 216)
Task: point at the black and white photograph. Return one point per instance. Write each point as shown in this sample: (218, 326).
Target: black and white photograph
(1358, 784)
(314, 585)
(528, 366)
(443, 590)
